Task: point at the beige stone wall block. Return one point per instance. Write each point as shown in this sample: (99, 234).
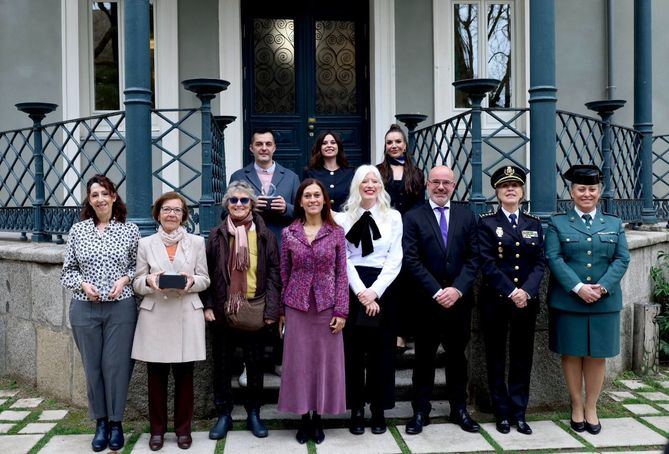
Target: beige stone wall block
(15, 291)
(79, 396)
(47, 293)
(54, 362)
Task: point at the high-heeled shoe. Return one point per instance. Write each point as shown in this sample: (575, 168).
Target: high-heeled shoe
(577, 426)
(593, 429)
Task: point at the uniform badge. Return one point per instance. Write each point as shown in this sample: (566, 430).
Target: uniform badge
(509, 171)
(499, 232)
(530, 234)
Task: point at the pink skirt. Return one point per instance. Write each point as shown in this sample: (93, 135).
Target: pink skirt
(313, 376)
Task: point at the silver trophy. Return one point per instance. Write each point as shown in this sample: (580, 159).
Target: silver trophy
(267, 194)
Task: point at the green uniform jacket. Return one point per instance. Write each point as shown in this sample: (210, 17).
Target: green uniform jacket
(598, 255)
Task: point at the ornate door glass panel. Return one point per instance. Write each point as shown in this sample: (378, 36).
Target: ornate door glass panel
(335, 67)
(274, 62)
(499, 53)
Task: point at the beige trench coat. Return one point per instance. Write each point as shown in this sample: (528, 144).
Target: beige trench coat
(170, 326)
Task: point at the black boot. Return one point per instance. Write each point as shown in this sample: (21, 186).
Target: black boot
(318, 434)
(116, 438)
(357, 426)
(254, 424)
(101, 438)
(304, 432)
(378, 422)
(220, 429)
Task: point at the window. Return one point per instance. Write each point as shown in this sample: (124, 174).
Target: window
(106, 55)
(479, 39)
(482, 44)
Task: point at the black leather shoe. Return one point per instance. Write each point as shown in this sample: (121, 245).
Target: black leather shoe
(254, 424)
(357, 424)
(466, 423)
(503, 426)
(304, 432)
(116, 438)
(523, 427)
(417, 422)
(101, 438)
(577, 426)
(378, 422)
(221, 428)
(593, 428)
(317, 435)
(156, 442)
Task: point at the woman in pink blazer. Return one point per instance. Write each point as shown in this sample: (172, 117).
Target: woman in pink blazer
(314, 307)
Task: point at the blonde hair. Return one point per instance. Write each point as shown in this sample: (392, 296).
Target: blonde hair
(354, 200)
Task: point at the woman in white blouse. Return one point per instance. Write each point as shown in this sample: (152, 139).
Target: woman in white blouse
(373, 258)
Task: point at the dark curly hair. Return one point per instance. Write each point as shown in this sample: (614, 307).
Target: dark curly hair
(119, 210)
(317, 161)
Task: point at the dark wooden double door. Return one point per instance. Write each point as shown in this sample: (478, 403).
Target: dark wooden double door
(306, 71)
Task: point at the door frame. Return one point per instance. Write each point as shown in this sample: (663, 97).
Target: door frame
(381, 81)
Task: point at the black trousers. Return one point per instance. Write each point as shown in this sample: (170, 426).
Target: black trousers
(450, 328)
(369, 350)
(501, 320)
(158, 375)
(224, 342)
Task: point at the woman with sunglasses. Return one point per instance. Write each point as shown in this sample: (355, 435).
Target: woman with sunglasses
(243, 260)
(171, 271)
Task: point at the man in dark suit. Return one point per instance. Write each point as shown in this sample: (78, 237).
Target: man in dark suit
(441, 256)
(275, 185)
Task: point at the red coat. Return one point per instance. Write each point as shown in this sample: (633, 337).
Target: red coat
(320, 266)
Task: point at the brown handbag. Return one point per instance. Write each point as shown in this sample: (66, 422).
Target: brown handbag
(250, 315)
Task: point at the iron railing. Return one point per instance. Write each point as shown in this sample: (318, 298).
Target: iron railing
(504, 142)
(75, 150)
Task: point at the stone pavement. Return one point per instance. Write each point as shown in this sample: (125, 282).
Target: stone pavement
(635, 418)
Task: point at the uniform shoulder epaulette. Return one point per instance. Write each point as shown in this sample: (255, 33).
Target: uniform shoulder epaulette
(485, 215)
(532, 216)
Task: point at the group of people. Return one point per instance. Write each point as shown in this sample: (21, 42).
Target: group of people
(339, 268)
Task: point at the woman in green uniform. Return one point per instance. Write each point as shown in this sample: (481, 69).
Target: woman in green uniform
(587, 255)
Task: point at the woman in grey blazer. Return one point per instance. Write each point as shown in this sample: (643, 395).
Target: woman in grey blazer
(170, 327)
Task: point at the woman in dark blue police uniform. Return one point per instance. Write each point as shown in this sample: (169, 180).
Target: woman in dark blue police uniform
(513, 264)
(587, 254)
(329, 165)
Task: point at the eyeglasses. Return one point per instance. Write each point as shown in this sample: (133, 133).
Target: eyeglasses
(438, 183)
(168, 210)
(242, 200)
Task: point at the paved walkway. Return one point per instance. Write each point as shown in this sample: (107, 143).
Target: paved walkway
(641, 425)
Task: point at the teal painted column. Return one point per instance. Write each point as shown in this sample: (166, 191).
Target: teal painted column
(139, 189)
(643, 103)
(37, 111)
(476, 90)
(543, 101)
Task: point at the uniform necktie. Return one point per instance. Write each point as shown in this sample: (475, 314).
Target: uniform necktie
(588, 220)
(443, 224)
(512, 217)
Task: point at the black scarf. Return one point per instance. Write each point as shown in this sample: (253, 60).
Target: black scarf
(396, 161)
(362, 231)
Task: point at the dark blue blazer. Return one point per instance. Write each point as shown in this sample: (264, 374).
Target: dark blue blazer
(433, 266)
(511, 258)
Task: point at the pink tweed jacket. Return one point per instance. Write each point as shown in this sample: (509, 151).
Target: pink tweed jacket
(320, 266)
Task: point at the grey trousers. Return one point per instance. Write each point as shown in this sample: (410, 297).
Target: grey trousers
(103, 333)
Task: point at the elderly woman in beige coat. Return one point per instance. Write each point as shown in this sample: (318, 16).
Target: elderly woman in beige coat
(171, 270)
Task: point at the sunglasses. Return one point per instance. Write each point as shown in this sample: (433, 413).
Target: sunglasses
(243, 200)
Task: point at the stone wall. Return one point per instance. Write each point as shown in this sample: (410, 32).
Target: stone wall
(36, 344)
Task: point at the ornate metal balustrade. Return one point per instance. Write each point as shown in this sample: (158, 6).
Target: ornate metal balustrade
(661, 176)
(75, 150)
(580, 139)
